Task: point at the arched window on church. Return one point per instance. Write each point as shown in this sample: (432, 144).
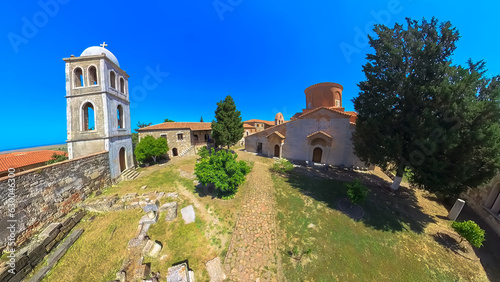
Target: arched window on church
(122, 85)
(119, 115)
(92, 75)
(112, 79)
(78, 77)
(88, 116)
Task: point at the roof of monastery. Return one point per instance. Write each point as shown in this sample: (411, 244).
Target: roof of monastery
(22, 159)
(97, 50)
(179, 125)
(271, 123)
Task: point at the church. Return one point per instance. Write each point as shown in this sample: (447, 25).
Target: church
(321, 133)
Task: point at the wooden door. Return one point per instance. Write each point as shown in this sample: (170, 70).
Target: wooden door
(317, 155)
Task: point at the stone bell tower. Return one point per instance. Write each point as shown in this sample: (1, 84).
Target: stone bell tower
(98, 111)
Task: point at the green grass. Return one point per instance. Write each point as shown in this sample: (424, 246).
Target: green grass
(99, 252)
(384, 245)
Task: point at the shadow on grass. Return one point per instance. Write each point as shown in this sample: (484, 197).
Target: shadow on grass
(384, 210)
(448, 242)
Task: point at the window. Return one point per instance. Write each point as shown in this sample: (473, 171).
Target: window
(180, 136)
(92, 75)
(112, 79)
(337, 103)
(122, 85)
(206, 137)
(88, 116)
(78, 77)
(119, 116)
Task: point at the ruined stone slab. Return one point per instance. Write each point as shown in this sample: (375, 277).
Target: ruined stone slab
(155, 250)
(215, 271)
(188, 214)
(136, 243)
(143, 230)
(20, 274)
(150, 207)
(173, 195)
(171, 209)
(178, 273)
(141, 271)
(57, 255)
(146, 220)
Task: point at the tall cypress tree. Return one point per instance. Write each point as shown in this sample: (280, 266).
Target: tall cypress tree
(417, 111)
(227, 128)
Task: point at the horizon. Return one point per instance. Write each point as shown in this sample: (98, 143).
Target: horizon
(262, 54)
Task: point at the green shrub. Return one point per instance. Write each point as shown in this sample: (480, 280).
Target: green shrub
(149, 147)
(470, 231)
(223, 171)
(356, 192)
(55, 158)
(282, 166)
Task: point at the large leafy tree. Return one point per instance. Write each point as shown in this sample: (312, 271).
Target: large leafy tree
(227, 128)
(419, 112)
(149, 147)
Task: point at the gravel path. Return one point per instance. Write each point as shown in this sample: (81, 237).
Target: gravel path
(252, 253)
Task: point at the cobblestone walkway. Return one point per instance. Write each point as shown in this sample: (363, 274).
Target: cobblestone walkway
(252, 253)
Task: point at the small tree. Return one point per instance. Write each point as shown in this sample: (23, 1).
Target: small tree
(141, 125)
(469, 231)
(168, 120)
(222, 170)
(356, 192)
(55, 158)
(227, 127)
(201, 119)
(149, 147)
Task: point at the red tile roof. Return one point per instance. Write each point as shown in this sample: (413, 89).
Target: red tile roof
(270, 123)
(22, 159)
(178, 125)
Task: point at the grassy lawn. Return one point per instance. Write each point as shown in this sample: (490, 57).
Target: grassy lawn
(391, 242)
(99, 253)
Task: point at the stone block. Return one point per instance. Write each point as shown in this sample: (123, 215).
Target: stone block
(215, 271)
(178, 273)
(143, 230)
(173, 195)
(188, 214)
(50, 245)
(146, 220)
(456, 209)
(150, 207)
(171, 209)
(155, 250)
(148, 247)
(49, 233)
(121, 276)
(141, 271)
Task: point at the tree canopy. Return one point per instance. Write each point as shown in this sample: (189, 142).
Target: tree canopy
(227, 128)
(417, 111)
(149, 147)
(168, 120)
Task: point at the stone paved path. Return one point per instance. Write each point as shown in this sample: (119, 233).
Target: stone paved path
(252, 253)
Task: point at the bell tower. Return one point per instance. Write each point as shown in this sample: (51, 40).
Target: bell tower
(97, 109)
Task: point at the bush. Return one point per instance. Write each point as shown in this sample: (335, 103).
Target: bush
(356, 192)
(282, 166)
(470, 231)
(222, 170)
(55, 158)
(149, 147)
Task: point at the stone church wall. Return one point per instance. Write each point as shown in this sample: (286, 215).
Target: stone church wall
(42, 195)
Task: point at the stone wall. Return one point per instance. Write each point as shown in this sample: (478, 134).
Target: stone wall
(45, 194)
(485, 201)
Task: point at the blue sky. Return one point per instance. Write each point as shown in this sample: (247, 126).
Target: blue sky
(264, 54)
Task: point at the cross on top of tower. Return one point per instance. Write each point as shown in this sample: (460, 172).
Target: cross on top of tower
(103, 45)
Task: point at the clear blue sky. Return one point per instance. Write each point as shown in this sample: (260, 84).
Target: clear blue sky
(262, 53)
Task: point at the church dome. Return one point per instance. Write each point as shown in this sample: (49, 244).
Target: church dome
(97, 50)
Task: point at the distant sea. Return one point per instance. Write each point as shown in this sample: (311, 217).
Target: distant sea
(36, 148)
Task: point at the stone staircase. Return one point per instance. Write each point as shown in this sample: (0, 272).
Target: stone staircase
(187, 151)
(129, 174)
